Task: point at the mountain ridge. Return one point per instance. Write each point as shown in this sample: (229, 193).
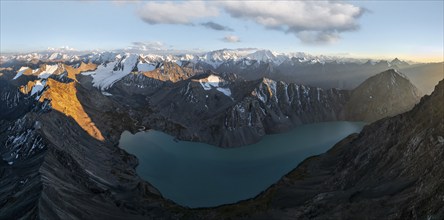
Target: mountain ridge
(227, 110)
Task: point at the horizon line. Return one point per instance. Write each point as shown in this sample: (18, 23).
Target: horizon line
(374, 57)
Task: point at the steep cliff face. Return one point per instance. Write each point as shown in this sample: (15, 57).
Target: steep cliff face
(386, 94)
(13, 103)
(273, 107)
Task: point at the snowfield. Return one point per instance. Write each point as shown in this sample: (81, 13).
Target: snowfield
(49, 70)
(108, 74)
(214, 81)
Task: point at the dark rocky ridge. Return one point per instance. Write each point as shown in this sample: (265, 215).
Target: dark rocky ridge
(13, 103)
(259, 107)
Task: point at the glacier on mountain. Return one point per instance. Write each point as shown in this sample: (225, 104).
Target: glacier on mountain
(108, 73)
(49, 70)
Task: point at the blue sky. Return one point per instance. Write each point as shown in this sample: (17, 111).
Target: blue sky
(375, 29)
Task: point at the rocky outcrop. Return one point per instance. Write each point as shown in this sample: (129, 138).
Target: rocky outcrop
(148, 82)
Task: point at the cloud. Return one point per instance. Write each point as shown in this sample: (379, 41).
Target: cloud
(216, 26)
(147, 46)
(310, 21)
(123, 2)
(318, 37)
(175, 12)
(231, 39)
(61, 49)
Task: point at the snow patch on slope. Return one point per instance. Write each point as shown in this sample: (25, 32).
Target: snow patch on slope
(214, 81)
(145, 67)
(108, 74)
(210, 81)
(49, 70)
(38, 87)
(225, 91)
(20, 72)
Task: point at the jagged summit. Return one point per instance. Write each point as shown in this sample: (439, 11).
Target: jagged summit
(262, 55)
(387, 93)
(398, 63)
(390, 77)
(396, 60)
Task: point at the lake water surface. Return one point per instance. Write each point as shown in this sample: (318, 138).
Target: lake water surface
(201, 175)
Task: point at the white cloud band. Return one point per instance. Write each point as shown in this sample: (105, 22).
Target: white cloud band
(310, 21)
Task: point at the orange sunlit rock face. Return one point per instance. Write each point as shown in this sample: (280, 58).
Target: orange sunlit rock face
(28, 72)
(171, 72)
(63, 98)
(25, 89)
(72, 72)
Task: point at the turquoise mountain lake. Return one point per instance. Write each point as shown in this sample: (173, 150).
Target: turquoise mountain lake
(201, 175)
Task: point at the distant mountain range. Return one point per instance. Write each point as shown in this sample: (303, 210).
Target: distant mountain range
(214, 58)
(250, 64)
